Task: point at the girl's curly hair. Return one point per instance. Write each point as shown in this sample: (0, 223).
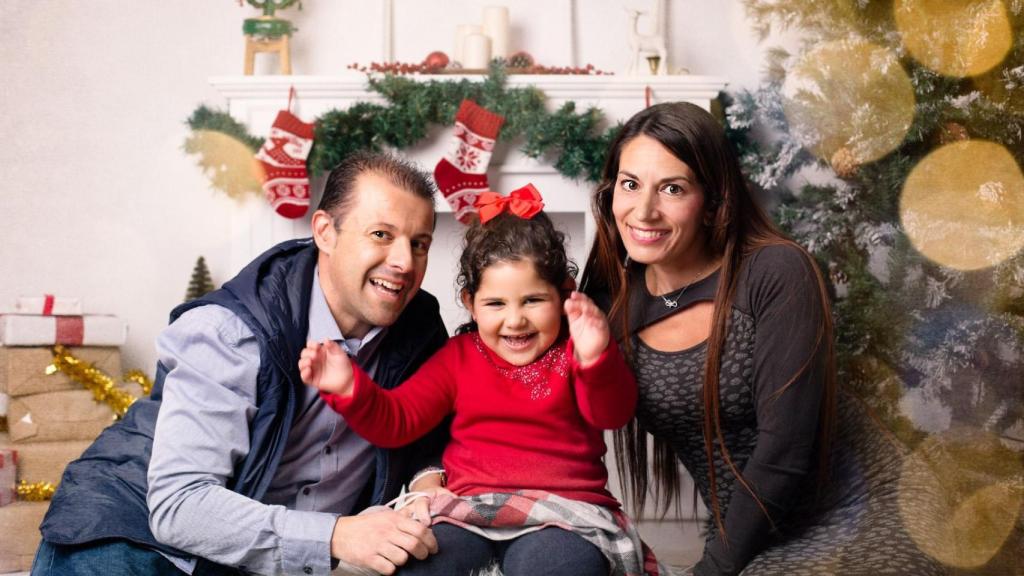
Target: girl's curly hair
(509, 238)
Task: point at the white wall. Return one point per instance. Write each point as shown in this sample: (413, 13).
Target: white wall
(97, 199)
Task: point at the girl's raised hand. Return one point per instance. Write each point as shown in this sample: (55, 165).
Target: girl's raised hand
(326, 367)
(588, 327)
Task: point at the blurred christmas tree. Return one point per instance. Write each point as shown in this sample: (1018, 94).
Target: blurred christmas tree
(891, 145)
(201, 283)
(893, 142)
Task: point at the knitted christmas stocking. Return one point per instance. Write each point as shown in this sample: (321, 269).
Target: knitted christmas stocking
(462, 174)
(283, 157)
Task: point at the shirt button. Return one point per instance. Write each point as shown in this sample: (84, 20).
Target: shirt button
(327, 450)
(308, 570)
(305, 492)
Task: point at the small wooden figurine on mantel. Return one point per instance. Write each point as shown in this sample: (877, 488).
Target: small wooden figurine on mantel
(268, 34)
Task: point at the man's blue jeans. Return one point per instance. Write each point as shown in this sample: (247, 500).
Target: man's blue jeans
(104, 557)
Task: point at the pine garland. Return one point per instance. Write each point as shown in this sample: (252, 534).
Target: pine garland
(204, 118)
(574, 142)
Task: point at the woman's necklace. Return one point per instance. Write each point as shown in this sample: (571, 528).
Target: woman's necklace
(674, 302)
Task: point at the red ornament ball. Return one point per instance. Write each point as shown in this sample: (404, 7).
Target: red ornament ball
(436, 59)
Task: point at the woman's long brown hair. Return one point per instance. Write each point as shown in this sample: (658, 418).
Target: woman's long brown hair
(738, 227)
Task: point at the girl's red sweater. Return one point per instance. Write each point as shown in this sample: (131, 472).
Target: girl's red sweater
(534, 427)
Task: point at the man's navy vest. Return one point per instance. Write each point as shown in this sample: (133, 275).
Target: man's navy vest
(103, 493)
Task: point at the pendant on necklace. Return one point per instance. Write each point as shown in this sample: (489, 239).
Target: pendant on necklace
(670, 303)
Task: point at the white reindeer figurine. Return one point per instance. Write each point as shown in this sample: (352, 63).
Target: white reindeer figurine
(653, 43)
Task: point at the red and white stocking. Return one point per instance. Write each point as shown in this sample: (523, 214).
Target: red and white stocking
(462, 174)
(283, 157)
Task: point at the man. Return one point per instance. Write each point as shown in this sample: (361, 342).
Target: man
(232, 465)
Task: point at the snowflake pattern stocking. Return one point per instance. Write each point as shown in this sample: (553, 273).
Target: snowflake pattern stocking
(283, 157)
(462, 174)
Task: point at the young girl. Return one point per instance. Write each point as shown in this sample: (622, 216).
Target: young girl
(532, 381)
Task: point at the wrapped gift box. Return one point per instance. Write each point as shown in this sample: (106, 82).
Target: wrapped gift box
(44, 461)
(57, 416)
(48, 305)
(19, 525)
(8, 475)
(23, 370)
(32, 330)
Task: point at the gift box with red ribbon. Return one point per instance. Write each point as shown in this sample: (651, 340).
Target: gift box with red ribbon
(38, 330)
(48, 305)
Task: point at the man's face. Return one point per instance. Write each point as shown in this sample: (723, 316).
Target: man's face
(373, 263)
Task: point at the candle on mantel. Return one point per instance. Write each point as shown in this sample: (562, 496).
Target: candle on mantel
(476, 50)
(389, 26)
(461, 31)
(496, 27)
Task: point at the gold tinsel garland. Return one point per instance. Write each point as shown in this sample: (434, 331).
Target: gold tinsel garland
(139, 378)
(103, 390)
(35, 491)
(102, 386)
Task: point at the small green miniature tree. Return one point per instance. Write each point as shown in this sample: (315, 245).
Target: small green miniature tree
(201, 283)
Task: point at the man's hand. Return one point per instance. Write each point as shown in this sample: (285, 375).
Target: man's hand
(588, 328)
(381, 541)
(326, 366)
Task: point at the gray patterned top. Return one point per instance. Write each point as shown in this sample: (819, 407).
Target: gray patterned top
(855, 526)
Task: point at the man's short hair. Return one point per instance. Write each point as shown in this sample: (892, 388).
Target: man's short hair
(337, 196)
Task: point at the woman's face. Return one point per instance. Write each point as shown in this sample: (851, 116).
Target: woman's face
(658, 204)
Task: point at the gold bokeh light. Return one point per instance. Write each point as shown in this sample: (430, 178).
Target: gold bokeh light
(852, 95)
(961, 519)
(963, 205)
(955, 37)
(228, 163)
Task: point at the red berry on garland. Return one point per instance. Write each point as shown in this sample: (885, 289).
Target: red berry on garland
(436, 60)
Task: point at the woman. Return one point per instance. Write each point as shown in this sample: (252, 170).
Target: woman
(728, 328)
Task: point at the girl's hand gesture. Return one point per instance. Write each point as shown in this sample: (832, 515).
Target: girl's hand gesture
(588, 328)
(326, 367)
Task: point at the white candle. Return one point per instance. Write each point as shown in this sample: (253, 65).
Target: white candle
(476, 52)
(496, 27)
(389, 20)
(461, 31)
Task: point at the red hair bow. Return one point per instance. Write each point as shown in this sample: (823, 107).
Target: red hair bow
(524, 202)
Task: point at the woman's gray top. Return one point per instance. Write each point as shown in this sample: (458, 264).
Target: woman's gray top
(770, 390)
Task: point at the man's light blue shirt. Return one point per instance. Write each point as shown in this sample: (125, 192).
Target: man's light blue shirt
(202, 433)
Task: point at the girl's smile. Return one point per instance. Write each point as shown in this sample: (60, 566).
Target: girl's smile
(518, 314)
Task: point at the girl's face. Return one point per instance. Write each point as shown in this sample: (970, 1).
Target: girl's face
(518, 313)
(658, 204)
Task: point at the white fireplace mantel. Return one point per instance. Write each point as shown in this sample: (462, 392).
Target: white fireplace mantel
(255, 101)
(324, 92)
